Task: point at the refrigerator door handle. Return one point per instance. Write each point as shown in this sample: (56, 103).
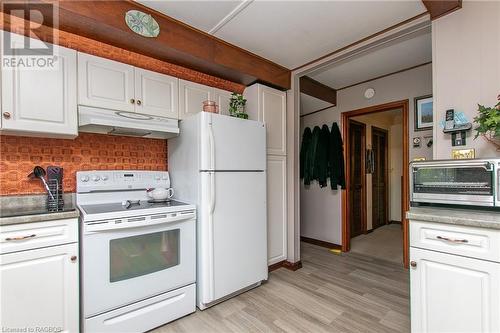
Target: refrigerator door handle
(212, 193)
(211, 139)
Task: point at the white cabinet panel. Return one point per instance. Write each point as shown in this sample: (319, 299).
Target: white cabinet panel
(191, 97)
(269, 106)
(40, 290)
(41, 102)
(105, 83)
(222, 98)
(450, 293)
(156, 94)
(276, 209)
(273, 106)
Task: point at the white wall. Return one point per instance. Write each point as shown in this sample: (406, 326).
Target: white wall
(466, 65)
(320, 210)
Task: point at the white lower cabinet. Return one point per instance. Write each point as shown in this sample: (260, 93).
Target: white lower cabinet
(39, 290)
(452, 293)
(276, 209)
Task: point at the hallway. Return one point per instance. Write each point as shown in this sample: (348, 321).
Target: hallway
(384, 243)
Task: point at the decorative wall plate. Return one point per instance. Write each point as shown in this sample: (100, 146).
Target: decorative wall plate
(142, 24)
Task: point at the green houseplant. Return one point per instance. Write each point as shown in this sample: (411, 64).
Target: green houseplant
(488, 121)
(237, 106)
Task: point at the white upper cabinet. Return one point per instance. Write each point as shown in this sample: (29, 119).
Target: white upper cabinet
(269, 106)
(191, 97)
(109, 84)
(156, 94)
(41, 102)
(105, 83)
(222, 98)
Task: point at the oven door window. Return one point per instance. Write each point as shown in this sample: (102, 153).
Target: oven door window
(143, 254)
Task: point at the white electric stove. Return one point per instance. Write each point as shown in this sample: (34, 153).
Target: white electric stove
(138, 267)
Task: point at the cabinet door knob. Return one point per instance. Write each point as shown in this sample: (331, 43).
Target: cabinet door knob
(73, 258)
(139, 102)
(6, 115)
(413, 264)
(132, 101)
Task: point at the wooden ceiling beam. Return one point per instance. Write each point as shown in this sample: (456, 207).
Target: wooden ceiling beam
(318, 90)
(439, 8)
(177, 43)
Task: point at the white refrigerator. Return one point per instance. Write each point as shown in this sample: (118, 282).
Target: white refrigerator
(219, 163)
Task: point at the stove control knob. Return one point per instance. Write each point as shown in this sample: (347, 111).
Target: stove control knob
(96, 178)
(157, 178)
(84, 178)
(104, 177)
(164, 177)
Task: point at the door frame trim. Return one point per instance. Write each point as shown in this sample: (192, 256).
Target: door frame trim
(386, 176)
(363, 172)
(404, 106)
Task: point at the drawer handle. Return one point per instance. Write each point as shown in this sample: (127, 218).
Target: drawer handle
(9, 239)
(451, 240)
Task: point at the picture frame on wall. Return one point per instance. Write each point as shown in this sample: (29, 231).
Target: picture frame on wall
(424, 119)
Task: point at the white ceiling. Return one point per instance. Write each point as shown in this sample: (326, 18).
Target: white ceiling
(310, 104)
(389, 59)
(290, 33)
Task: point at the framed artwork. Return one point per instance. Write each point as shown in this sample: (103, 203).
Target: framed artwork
(423, 113)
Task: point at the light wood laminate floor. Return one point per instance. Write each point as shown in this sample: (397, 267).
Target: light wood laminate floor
(331, 293)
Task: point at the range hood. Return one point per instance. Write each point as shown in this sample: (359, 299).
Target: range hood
(105, 121)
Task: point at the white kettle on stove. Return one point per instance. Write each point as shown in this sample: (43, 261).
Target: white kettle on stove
(160, 193)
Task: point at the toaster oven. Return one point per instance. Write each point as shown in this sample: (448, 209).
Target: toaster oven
(472, 182)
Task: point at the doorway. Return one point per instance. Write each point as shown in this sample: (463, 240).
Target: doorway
(357, 197)
(379, 210)
(380, 200)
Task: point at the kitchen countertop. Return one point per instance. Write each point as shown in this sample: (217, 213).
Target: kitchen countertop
(467, 217)
(34, 208)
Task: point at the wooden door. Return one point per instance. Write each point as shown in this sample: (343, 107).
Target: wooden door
(41, 101)
(156, 94)
(105, 83)
(40, 289)
(450, 293)
(379, 177)
(357, 137)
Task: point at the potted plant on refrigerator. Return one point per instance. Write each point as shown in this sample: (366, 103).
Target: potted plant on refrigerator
(488, 122)
(237, 106)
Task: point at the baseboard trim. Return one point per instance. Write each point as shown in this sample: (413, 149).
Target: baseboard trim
(275, 266)
(321, 243)
(293, 266)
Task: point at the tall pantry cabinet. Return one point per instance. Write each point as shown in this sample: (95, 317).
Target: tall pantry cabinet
(269, 106)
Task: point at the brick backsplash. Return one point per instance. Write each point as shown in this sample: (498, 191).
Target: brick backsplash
(18, 156)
